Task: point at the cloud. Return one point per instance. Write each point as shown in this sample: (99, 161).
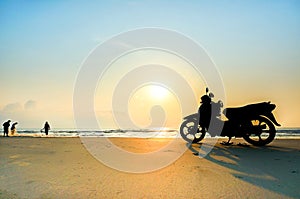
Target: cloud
(18, 107)
(31, 114)
(13, 107)
(26, 113)
(17, 110)
(9, 111)
(30, 105)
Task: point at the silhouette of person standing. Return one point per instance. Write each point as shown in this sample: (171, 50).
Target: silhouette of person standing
(205, 112)
(46, 128)
(13, 128)
(6, 127)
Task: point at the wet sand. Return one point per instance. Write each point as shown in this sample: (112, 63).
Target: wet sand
(63, 168)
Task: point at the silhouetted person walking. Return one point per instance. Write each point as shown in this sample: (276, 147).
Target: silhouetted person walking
(46, 128)
(13, 128)
(6, 127)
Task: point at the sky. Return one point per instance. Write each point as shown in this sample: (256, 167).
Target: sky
(255, 46)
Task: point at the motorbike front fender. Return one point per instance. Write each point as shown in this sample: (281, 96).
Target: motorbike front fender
(194, 116)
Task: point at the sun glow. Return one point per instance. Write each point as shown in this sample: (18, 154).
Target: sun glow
(154, 105)
(158, 92)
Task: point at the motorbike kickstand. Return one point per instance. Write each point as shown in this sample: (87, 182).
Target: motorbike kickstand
(228, 142)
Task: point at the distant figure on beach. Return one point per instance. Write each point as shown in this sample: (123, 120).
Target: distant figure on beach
(6, 127)
(13, 128)
(46, 128)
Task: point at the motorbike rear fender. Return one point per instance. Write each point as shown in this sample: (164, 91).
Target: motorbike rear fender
(271, 117)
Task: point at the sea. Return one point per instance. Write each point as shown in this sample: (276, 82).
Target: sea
(132, 133)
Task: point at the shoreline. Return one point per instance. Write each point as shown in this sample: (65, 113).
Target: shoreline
(285, 132)
(63, 168)
(177, 137)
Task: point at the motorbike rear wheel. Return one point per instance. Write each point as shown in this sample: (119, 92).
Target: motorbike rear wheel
(190, 132)
(260, 131)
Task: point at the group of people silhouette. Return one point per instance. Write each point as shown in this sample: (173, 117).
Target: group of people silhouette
(6, 126)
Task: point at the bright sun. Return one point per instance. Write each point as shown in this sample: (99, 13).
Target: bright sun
(158, 92)
(153, 104)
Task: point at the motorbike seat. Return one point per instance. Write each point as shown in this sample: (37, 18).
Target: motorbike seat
(233, 112)
(249, 110)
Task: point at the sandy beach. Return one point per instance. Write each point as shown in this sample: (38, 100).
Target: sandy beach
(63, 168)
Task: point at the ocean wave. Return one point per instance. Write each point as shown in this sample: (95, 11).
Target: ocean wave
(139, 133)
(142, 133)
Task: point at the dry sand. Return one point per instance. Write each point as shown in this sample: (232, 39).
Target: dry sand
(63, 168)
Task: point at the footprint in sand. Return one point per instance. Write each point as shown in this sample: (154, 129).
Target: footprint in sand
(14, 156)
(22, 164)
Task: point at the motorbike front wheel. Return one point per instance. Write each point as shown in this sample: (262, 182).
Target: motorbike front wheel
(190, 132)
(260, 131)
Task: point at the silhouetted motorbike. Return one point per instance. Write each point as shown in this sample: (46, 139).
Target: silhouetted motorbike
(253, 122)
